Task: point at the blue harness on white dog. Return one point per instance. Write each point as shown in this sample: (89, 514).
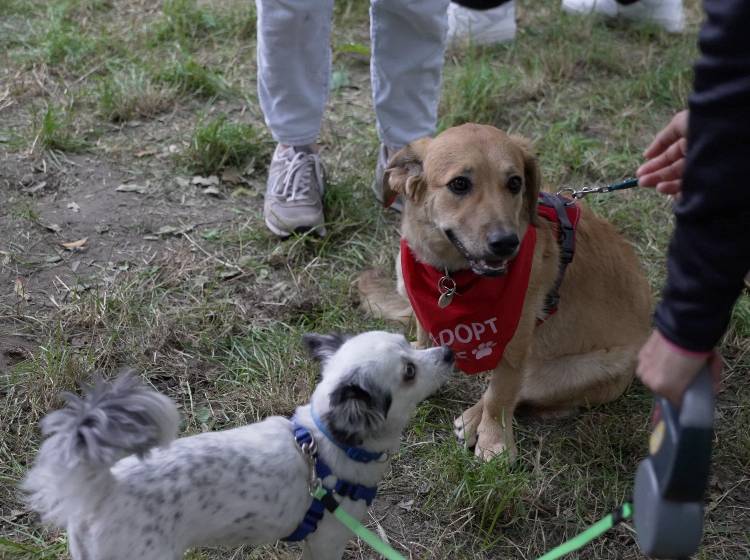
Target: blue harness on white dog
(342, 488)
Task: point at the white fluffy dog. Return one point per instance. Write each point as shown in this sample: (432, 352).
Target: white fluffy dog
(100, 475)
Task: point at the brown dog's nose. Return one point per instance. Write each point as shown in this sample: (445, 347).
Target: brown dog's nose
(502, 243)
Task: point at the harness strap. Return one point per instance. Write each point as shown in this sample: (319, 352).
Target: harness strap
(566, 239)
(354, 453)
(322, 501)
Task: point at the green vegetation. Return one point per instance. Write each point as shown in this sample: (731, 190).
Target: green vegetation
(218, 144)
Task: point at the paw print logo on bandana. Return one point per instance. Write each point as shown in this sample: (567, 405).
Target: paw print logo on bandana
(483, 350)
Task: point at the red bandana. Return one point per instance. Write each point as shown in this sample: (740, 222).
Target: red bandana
(483, 316)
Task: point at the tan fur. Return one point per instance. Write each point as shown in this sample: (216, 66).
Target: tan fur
(377, 297)
(582, 355)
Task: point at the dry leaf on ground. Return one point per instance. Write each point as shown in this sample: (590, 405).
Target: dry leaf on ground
(213, 180)
(132, 187)
(73, 245)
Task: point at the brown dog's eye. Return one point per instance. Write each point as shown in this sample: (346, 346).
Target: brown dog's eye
(514, 184)
(460, 185)
(410, 372)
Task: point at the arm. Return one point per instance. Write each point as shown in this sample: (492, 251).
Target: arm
(710, 250)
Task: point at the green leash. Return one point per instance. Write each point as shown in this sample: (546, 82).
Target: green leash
(355, 526)
(385, 550)
(593, 532)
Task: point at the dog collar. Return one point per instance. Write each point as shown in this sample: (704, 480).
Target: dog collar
(343, 488)
(354, 453)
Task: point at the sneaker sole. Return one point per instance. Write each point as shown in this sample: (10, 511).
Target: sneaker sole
(320, 230)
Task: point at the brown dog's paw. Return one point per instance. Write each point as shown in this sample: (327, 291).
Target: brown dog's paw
(493, 439)
(465, 426)
(494, 450)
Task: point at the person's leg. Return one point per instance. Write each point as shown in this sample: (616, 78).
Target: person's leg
(408, 48)
(481, 22)
(669, 14)
(294, 65)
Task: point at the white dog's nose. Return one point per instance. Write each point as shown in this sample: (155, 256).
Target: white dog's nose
(447, 354)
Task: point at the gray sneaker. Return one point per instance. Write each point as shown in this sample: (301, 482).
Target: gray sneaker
(378, 187)
(294, 192)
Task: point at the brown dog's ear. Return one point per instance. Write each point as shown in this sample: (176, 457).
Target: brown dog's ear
(532, 176)
(404, 174)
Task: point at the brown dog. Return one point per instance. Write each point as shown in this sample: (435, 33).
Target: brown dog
(471, 197)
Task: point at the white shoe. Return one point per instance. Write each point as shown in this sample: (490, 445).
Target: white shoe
(481, 27)
(604, 7)
(666, 13)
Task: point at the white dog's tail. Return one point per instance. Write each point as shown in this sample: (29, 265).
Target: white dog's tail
(83, 440)
(380, 297)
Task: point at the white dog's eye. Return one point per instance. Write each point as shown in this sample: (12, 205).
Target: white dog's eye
(411, 372)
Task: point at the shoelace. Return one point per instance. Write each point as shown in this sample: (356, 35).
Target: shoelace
(295, 184)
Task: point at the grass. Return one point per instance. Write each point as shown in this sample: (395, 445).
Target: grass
(190, 77)
(131, 93)
(62, 37)
(214, 318)
(492, 491)
(183, 21)
(186, 22)
(218, 144)
(474, 91)
(54, 130)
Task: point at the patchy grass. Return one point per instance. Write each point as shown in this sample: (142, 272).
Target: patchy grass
(55, 130)
(183, 21)
(212, 311)
(190, 77)
(131, 93)
(187, 23)
(492, 491)
(474, 90)
(741, 317)
(60, 39)
(218, 144)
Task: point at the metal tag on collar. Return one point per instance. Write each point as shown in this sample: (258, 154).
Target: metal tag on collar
(447, 288)
(671, 482)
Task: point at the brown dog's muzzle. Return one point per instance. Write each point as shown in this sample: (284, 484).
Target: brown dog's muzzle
(503, 243)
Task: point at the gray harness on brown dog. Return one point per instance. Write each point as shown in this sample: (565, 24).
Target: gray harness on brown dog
(565, 213)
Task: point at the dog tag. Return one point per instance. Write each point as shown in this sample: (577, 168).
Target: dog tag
(445, 299)
(447, 288)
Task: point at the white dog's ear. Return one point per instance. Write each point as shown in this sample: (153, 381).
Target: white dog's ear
(358, 409)
(322, 346)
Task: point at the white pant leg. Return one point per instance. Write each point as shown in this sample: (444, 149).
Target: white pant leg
(294, 65)
(408, 49)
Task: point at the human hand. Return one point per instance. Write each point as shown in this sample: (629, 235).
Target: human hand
(668, 370)
(666, 157)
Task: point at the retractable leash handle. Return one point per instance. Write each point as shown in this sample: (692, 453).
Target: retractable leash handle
(671, 482)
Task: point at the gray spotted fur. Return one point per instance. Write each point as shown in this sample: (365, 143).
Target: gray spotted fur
(108, 474)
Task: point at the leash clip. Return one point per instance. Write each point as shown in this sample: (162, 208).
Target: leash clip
(309, 451)
(580, 193)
